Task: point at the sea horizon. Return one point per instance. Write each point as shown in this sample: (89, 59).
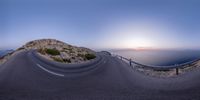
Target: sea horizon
(159, 57)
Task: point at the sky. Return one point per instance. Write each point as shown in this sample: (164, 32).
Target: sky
(102, 24)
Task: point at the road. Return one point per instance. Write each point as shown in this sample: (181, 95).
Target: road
(25, 78)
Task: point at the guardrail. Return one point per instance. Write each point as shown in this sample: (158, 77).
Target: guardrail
(160, 68)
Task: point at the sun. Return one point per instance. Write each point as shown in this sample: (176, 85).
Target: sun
(138, 43)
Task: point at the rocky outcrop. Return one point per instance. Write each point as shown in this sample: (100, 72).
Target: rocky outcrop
(59, 51)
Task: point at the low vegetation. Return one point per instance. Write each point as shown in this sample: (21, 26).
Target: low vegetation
(59, 51)
(42, 51)
(20, 49)
(87, 56)
(56, 53)
(57, 59)
(52, 52)
(90, 56)
(67, 60)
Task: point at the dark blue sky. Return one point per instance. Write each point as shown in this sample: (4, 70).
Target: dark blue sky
(102, 24)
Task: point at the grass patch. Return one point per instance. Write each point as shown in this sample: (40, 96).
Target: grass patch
(57, 59)
(53, 52)
(90, 56)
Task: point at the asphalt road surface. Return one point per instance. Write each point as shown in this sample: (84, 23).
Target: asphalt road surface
(23, 77)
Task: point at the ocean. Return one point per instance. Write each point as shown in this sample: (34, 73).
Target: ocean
(4, 52)
(1, 53)
(159, 57)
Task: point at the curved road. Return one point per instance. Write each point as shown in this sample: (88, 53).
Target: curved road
(23, 77)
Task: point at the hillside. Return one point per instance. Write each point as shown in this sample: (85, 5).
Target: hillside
(59, 51)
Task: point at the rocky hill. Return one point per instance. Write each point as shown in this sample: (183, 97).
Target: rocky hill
(59, 51)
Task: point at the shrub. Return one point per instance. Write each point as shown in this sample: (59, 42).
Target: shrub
(67, 60)
(57, 59)
(71, 51)
(21, 48)
(90, 56)
(81, 55)
(52, 51)
(42, 51)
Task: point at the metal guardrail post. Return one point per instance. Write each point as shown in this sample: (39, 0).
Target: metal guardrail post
(175, 67)
(176, 70)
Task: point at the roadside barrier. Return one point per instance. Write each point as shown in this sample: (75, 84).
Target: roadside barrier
(159, 68)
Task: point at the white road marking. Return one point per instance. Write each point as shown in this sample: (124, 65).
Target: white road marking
(57, 74)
